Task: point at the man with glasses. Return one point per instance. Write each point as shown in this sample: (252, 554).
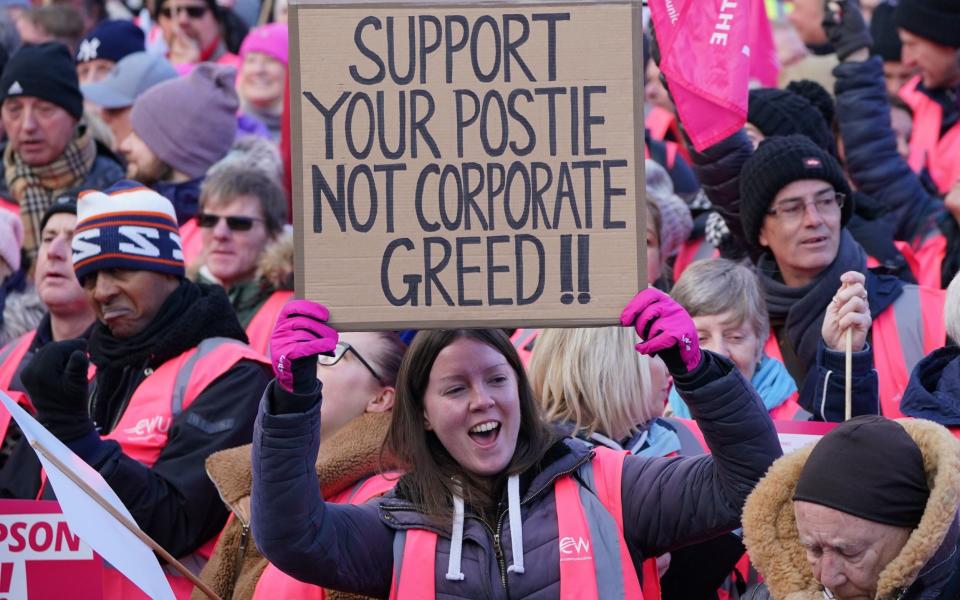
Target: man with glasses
(192, 32)
(794, 205)
(240, 223)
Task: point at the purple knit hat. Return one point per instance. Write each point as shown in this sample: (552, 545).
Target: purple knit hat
(189, 122)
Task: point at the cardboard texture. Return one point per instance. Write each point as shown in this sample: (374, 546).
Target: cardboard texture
(492, 176)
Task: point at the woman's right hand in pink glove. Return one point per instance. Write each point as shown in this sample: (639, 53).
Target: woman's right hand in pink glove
(301, 332)
(666, 329)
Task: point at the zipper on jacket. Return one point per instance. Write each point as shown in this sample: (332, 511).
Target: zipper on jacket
(241, 552)
(501, 561)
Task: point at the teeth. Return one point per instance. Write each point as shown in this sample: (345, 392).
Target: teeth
(484, 427)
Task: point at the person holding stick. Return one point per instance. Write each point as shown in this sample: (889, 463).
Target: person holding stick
(174, 379)
(495, 503)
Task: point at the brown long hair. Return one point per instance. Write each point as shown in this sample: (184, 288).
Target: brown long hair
(432, 474)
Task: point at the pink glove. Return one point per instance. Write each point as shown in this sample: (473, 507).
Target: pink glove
(665, 328)
(301, 331)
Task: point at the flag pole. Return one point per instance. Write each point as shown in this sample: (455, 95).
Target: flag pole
(132, 527)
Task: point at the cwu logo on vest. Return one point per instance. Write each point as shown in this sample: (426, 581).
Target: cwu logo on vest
(572, 548)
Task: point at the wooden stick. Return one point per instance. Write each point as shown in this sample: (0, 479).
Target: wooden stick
(132, 527)
(848, 384)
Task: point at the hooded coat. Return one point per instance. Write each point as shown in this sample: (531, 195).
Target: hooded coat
(934, 389)
(922, 569)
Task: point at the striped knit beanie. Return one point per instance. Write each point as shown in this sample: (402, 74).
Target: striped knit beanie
(126, 226)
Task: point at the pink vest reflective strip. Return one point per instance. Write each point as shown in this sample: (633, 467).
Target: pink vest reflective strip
(523, 340)
(595, 562)
(11, 356)
(940, 155)
(191, 240)
(690, 252)
(790, 410)
(912, 328)
(261, 325)
(901, 335)
(143, 428)
(274, 583)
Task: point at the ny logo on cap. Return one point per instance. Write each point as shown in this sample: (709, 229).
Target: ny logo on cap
(88, 50)
(812, 163)
(15, 88)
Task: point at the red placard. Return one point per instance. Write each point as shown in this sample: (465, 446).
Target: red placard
(40, 558)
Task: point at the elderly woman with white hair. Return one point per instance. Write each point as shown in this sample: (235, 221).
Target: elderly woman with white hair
(934, 389)
(731, 317)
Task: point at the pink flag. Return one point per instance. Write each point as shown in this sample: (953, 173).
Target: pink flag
(764, 64)
(705, 56)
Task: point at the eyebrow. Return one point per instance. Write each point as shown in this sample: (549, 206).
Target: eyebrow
(486, 370)
(800, 198)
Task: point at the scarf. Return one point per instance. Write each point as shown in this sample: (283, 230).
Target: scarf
(191, 314)
(35, 188)
(796, 313)
(272, 121)
(771, 380)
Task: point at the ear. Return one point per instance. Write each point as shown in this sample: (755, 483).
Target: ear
(762, 238)
(382, 402)
(426, 422)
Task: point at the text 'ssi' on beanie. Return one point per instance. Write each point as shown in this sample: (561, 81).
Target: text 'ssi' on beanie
(99, 241)
(935, 20)
(189, 122)
(778, 162)
(44, 71)
(885, 464)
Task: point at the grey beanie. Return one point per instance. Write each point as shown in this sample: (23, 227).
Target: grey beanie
(189, 122)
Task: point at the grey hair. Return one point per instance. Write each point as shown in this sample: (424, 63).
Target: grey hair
(952, 309)
(253, 153)
(717, 285)
(230, 181)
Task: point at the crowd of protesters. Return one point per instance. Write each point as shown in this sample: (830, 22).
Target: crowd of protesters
(277, 458)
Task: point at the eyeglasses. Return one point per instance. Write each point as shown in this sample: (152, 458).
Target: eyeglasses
(338, 353)
(236, 223)
(194, 11)
(792, 211)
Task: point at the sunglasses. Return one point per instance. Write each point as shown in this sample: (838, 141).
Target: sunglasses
(328, 360)
(194, 12)
(209, 221)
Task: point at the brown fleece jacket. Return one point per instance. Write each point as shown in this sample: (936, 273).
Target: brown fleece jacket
(348, 456)
(770, 529)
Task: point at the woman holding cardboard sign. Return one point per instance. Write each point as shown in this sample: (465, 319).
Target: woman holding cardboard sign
(496, 503)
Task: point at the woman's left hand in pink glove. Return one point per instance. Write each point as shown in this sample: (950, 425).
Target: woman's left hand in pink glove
(665, 330)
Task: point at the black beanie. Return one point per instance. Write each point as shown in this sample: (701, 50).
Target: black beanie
(817, 96)
(781, 112)
(63, 204)
(883, 30)
(935, 20)
(778, 162)
(44, 71)
(868, 467)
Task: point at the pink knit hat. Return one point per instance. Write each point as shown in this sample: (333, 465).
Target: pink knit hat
(11, 238)
(269, 39)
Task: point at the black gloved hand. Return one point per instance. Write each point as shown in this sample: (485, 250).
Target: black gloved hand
(845, 27)
(56, 380)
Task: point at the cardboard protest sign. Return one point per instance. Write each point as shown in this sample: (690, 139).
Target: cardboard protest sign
(40, 557)
(468, 164)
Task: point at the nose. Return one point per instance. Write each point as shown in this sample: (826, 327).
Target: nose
(811, 216)
(58, 249)
(103, 288)
(29, 122)
(182, 17)
(831, 571)
(480, 400)
(221, 231)
(716, 344)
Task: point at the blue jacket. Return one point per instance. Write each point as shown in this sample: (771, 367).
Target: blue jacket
(877, 169)
(668, 502)
(934, 389)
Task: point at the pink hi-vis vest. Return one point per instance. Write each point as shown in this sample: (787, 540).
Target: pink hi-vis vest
(143, 430)
(261, 325)
(940, 155)
(901, 335)
(590, 568)
(274, 583)
(11, 356)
